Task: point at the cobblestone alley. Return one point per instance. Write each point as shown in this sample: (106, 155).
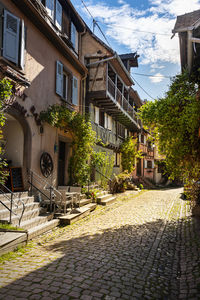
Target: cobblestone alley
(141, 247)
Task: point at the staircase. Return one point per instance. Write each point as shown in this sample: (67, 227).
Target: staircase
(145, 182)
(104, 198)
(35, 218)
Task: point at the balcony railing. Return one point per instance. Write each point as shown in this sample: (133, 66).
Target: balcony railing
(107, 136)
(119, 98)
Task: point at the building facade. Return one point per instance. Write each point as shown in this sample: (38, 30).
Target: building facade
(40, 54)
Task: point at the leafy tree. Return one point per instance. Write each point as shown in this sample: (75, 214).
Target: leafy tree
(174, 122)
(129, 154)
(5, 93)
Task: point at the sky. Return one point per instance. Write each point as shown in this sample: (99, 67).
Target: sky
(145, 27)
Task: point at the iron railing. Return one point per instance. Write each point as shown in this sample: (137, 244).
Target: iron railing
(44, 188)
(119, 98)
(9, 195)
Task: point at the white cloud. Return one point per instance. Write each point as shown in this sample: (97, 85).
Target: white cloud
(157, 79)
(130, 27)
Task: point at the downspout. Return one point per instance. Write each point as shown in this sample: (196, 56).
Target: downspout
(189, 51)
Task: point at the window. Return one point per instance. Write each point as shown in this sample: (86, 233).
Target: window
(149, 164)
(13, 39)
(117, 159)
(66, 84)
(102, 118)
(120, 130)
(74, 37)
(54, 10)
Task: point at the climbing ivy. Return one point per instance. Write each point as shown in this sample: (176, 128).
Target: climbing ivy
(129, 154)
(174, 122)
(83, 139)
(5, 93)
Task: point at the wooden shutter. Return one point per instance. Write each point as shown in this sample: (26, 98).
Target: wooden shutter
(22, 46)
(75, 91)
(105, 120)
(145, 140)
(96, 115)
(73, 35)
(139, 138)
(109, 122)
(59, 78)
(145, 163)
(11, 37)
(50, 8)
(152, 164)
(58, 15)
(126, 133)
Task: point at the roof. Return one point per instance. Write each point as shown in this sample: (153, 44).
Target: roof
(186, 21)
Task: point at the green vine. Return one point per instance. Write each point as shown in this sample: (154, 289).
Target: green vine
(129, 154)
(5, 93)
(83, 139)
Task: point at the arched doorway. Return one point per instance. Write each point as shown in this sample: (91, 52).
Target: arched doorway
(17, 142)
(13, 139)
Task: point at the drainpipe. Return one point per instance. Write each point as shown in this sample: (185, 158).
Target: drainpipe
(189, 50)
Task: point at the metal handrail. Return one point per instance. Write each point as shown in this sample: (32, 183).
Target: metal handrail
(12, 201)
(53, 192)
(109, 179)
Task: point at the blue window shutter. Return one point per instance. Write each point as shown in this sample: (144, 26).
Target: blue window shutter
(58, 16)
(75, 91)
(11, 37)
(22, 46)
(73, 35)
(50, 8)
(59, 78)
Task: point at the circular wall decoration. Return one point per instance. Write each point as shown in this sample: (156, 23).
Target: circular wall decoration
(46, 164)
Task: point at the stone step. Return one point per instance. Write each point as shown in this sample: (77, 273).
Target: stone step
(38, 220)
(104, 197)
(42, 228)
(84, 202)
(17, 201)
(107, 201)
(11, 240)
(91, 206)
(26, 216)
(15, 195)
(30, 206)
(75, 216)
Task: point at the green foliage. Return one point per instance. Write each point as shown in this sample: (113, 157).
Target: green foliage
(83, 137)
(105, 167)
(129, 154)
(119, 182)
(5, 93)
(174, 123)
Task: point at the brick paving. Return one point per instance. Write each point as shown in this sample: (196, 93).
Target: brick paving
(144, 247)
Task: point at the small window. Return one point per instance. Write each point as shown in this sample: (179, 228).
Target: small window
(142, 139)
(66, 84)
(102, 118)
(149, 164)
(58, 15)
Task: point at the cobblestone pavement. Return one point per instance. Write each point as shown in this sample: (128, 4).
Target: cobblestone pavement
(144, 247)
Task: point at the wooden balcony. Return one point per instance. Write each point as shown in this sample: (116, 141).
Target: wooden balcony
(114, 102)
(107, 136)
